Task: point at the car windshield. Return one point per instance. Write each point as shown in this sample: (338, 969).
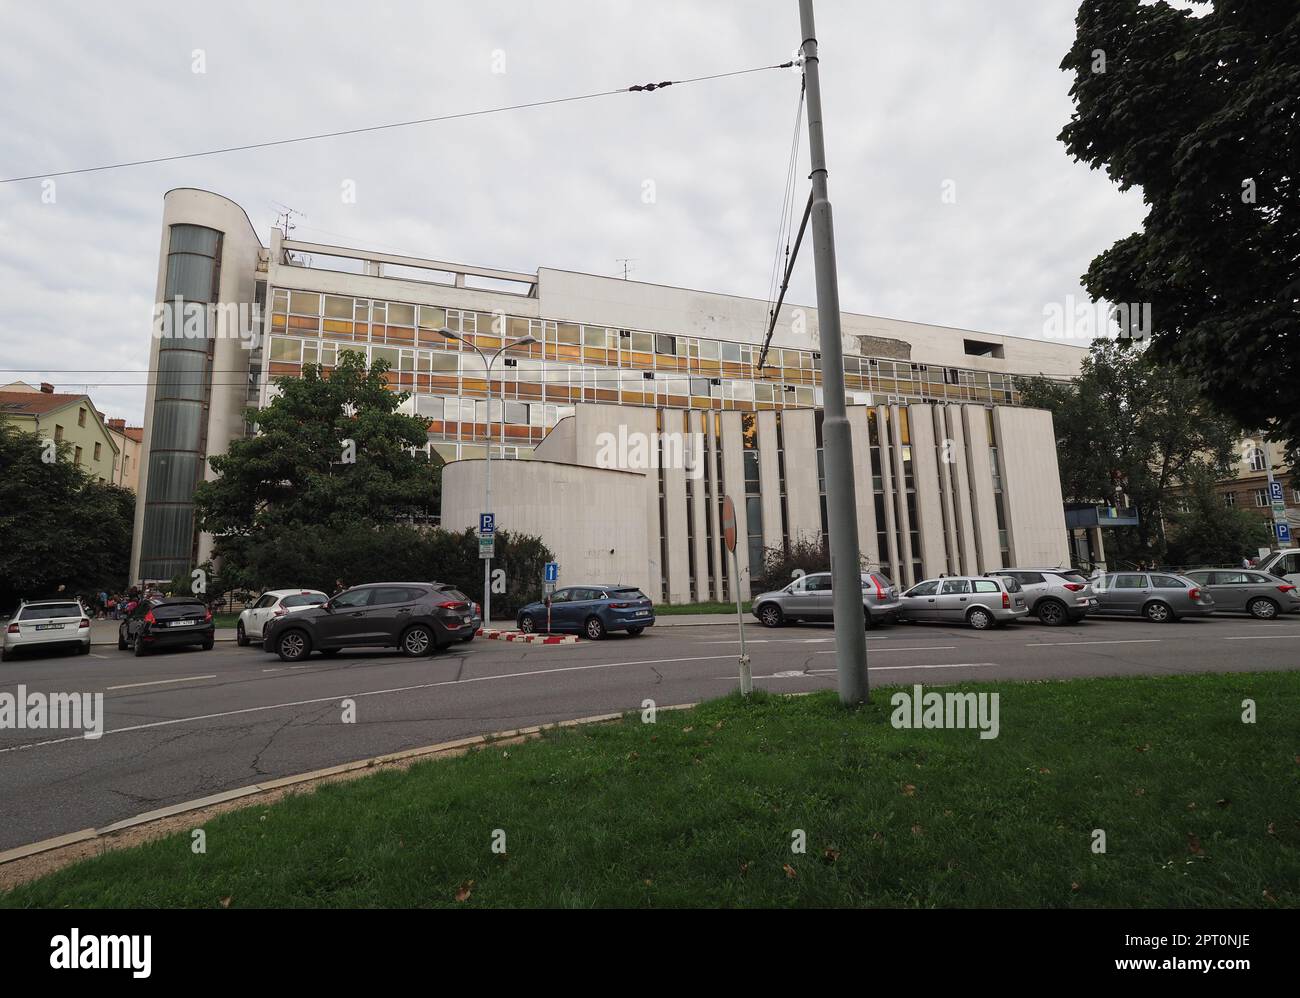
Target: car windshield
(628, 594)
(50, 610)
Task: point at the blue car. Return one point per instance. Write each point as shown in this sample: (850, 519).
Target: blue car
(592, 611)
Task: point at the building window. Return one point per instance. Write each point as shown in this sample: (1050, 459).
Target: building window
(1256, 459)
(81, 417)
(1229, 498)
(1261, 498)
(58, 433)
(1295, 497)
(97, 446)
(77, 459)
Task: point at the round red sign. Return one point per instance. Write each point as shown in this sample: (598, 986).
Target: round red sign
(729, 523)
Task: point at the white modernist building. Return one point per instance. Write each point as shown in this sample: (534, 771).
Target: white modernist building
(635, 411)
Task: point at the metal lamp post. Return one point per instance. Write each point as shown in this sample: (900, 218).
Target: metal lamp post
(487, 466)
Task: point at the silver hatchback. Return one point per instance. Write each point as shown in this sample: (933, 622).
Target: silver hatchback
(809, 598)
(980, 601)
(1247, 591)
(1158, 596)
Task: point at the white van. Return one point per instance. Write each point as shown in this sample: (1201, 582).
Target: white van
(1285, 564)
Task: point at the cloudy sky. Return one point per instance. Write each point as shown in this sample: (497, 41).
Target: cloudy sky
(919, 97)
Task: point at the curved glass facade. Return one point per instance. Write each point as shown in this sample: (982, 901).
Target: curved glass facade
(180, 409)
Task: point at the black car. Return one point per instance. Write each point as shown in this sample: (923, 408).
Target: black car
(156, 623)
(592, 611)
(417, 617)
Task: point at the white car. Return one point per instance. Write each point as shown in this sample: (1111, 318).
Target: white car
(272, 604)
(45, 623)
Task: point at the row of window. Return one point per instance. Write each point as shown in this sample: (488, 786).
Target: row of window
(1261, 499)
(314, 314)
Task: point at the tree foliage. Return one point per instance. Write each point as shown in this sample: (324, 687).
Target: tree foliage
(331, 453)
(1127, 429)
(358, 553)
(1201, 111)
(59, 525)
(1209, 532)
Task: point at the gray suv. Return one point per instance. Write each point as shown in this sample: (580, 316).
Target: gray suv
(1159, 596)
(1055, 595)
(809, 598)
(980, 601)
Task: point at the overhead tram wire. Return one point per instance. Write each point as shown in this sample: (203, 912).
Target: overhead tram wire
(775, 297)
(636, 88)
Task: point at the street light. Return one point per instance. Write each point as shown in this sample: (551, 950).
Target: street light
(487, 466)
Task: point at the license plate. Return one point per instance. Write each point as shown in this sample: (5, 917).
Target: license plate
(49, 627)
(1020, 602)
(643, 613)
(182, 623)
(469, 620)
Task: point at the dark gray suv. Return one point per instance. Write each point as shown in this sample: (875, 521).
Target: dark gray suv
(416, 617)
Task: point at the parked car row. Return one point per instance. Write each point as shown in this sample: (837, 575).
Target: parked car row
(1056, 596)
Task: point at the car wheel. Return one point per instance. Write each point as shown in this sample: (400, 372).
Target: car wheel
(1157, 612)
(594, 628)
(417, 640)
(770, 615)
(241, 637)
(121, 641)
(468, 637)
(330, 652)
(293, 646)
(867, 621)
(634, 631)
(1262, 608)
(84, 649)
(138, 648)
(3, 655)
(527, 624)
(980, 619)
(1052, 612)
(207, 645)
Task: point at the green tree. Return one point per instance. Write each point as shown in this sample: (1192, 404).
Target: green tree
(1201, 111)
(1128, 429)
(1206, 531)
(331, 454)
(59, 526)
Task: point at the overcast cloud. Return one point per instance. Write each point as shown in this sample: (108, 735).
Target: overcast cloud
(916, 94)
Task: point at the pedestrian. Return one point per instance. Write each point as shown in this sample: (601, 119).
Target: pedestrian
(1245, 562)
(339, 586)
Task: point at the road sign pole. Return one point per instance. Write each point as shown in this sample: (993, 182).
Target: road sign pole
(746, 680)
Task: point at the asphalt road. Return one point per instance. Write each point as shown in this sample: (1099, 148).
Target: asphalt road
(185, 724)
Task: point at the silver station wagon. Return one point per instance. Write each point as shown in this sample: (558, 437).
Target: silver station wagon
(809, 597)
(1240, 590)
(1159, 596)
(980, 601)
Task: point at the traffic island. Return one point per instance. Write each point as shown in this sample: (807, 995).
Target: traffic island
(530, 638)
(1117, 792)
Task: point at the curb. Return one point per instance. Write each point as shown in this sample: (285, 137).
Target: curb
(534, 639)
(454, 747)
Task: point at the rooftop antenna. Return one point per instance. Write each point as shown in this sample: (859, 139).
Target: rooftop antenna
(284, 221)
(625, 260)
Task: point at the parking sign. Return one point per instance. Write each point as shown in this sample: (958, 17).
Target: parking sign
(1284, 533)
(487, 523)
(1275, 491)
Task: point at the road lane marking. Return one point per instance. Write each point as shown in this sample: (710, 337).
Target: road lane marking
(1262, 637)
(909, 668)
(158, 682)
(916, 648)
(1125, 641)
(367, 693)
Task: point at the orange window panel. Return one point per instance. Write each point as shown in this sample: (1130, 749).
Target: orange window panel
(277, 322)
(643, 359)
(442, 381)
(678, 401)
(569, 352)
(400, 334)
(390, 379)
(475, 385)
(303, 322)
(529, 391)
(279, 367)
(429, 338)
(637, 398)
(516, 431)
(594, 354)
(338, 326)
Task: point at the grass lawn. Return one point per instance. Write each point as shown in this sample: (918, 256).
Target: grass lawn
(225, 619)
(665, 609)
(1198, 808)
